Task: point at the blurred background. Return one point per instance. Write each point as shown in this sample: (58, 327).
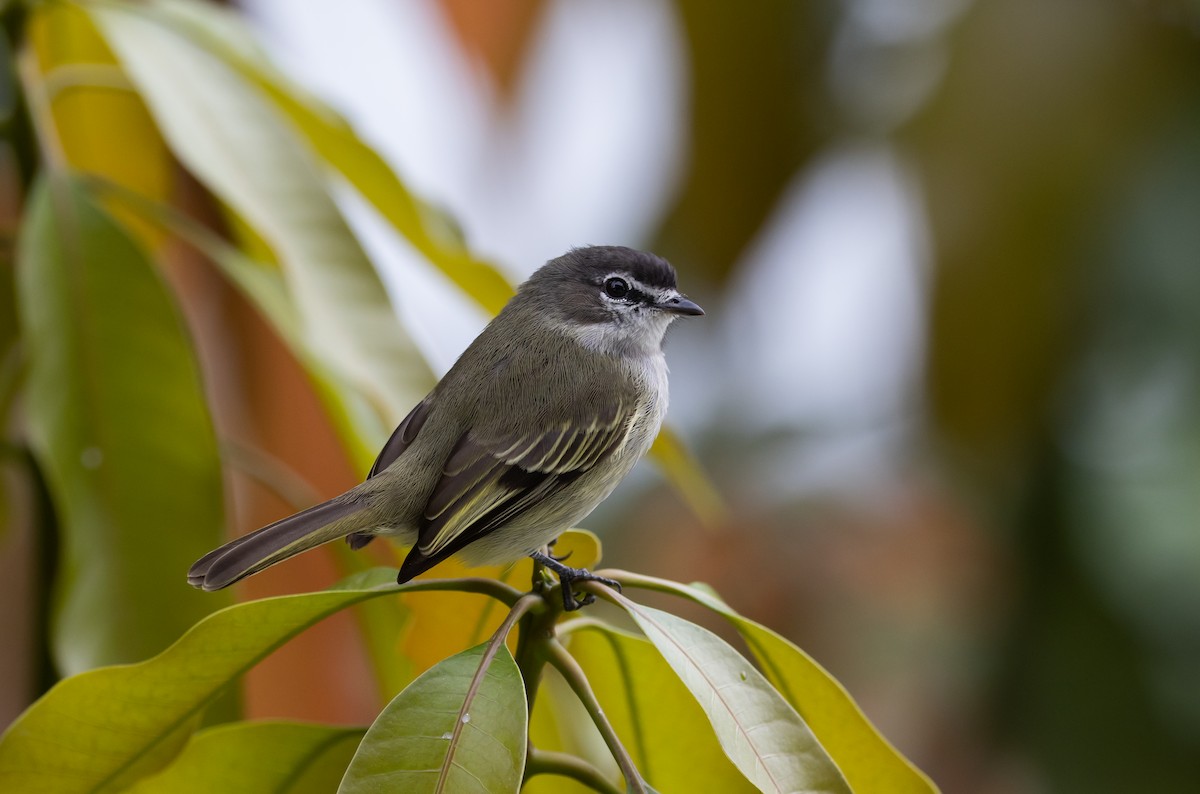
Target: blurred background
(948, 385)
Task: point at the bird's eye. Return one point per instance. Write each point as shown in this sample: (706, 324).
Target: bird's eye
(616, 287)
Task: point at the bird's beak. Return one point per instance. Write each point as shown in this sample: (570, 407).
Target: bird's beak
(680, 305)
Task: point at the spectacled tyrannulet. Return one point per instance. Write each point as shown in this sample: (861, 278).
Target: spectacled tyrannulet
(534, 425)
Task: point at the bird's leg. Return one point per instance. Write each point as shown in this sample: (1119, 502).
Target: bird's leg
(568, 576)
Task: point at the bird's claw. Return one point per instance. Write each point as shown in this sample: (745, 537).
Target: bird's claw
(568, 576)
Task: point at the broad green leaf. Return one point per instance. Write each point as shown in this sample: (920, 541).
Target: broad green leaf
(256, 757)
(102, 730)
(868, 761)
(455, 729)
(233, 138)
(381, 623)
(118, 422)
(658, 720)
(263, 285)
(764, 736)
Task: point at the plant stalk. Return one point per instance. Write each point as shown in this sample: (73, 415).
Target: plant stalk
(543, 762)
(575, 677)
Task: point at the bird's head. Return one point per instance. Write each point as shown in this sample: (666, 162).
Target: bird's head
(612, 299)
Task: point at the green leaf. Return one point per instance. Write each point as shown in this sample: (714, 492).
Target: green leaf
(764, 736)
(102, 730)
(234, 139)
(256, 757)
(658, 720)
(118, 422)
(450, 730)
(263, 286)
(868, 761)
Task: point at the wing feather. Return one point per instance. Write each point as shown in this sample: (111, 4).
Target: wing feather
(487, 483)
(401, 437)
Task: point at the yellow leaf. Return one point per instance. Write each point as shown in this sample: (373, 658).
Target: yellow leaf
(101, 124)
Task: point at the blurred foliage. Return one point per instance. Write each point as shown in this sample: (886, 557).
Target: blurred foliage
(118, 424)
(1018, 609)
(106, 392)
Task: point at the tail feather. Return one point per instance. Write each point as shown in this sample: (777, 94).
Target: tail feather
(276, 542)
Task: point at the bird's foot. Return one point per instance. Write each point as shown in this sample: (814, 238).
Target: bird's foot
(567, 576)
(550, 552)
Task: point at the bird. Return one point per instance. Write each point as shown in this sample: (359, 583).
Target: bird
(534, 425)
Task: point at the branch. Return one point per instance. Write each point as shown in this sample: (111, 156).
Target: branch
(575, 677)
(467, 584)
(544, 762)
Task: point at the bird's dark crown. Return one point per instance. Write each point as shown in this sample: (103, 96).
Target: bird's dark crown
(592, 264)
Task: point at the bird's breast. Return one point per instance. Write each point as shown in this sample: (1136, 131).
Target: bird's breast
(650, 376)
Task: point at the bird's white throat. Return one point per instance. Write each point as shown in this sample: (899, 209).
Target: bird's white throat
(635, 337)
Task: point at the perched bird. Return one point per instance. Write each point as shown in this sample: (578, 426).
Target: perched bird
(534, 425)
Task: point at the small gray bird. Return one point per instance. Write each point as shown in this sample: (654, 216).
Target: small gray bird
(534, 425)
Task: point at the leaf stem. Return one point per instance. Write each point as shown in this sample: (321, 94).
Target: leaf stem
(536, 632)
(523, 605)
(468, 584)
(544, 762)
(270, 472)
(40, 113)
(570, 670)
(690, 592)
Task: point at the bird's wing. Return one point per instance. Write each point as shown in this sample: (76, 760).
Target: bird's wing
(401, 437)
(488, 482)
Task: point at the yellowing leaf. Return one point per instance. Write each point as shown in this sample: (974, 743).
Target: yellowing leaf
(254, 757)
(868, 761)
(100, 122)
(232, 137)
(658, 720)
(764, 736)
(442, 624)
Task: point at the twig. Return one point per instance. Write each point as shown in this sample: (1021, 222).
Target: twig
(575, 677)
(544, 762)
(467, 584)
(272, 473)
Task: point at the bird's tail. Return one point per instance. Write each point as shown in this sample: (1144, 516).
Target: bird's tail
(276, 542)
